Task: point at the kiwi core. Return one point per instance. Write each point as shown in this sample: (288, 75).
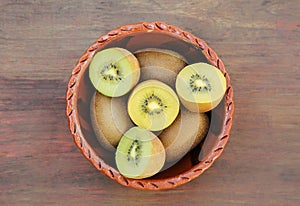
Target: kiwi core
(111, 72)
(199, 83)
(134, 152)
(153, 105)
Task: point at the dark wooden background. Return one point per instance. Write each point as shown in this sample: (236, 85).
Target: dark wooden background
(259, 43)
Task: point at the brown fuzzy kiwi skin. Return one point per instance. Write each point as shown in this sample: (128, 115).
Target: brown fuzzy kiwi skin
(184, 134)
(160, 64)
(109, 119)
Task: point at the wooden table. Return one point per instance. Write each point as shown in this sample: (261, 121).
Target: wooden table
(258, 41)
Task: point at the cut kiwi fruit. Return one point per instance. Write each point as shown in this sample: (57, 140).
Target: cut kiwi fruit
(184, 134)
(153, 105)
(160, 64)
(200, 87)
(140, 154)
(109, 119)
(114, 71)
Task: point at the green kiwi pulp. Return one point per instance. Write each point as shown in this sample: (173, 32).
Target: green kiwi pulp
(114, 71)
(200, 87)
(139, 154)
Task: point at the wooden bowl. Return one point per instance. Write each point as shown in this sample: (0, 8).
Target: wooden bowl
(135, 37)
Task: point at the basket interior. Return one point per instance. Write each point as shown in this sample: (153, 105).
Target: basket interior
(134, 42)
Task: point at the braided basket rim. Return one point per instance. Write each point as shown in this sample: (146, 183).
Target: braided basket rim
(86, 149)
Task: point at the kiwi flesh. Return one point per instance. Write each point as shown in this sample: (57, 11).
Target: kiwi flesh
(184, 134)
(109, 119)
(140, 154)
(160, 64)
(114, 71)
(200, 87)
(153, 105)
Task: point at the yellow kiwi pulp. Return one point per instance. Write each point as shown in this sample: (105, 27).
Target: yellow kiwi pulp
(114, 71)
(184, 134)
(153, 105)
(109, 119)
(200, 87)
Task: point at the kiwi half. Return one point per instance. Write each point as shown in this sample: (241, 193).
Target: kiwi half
(153, 105)
(160, 64)
(184, 134)
(200, 87)
(140, 154)
(109, 119)
(114, 71)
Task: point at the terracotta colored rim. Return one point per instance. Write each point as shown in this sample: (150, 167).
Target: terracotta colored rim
(86, 149)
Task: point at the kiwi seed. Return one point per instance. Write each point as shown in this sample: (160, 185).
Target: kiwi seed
(199, 83)
(139, 154)
(134, 152)
(111, 72)
(200, 87)
(114, 71)
(153, 105)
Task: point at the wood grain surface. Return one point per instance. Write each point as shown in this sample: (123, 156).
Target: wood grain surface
(40, 42)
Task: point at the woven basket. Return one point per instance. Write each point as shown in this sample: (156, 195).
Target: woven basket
(134, 37)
